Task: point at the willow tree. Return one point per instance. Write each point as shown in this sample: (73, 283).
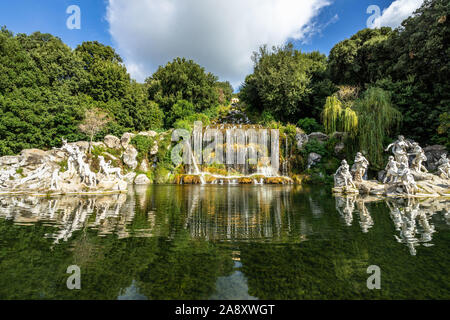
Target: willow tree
(368, 120)
(337, 116)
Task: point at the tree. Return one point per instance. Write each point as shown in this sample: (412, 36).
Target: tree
(183, 79)
(283, 81)
(368, 120)
(225, 92)
(94, 121)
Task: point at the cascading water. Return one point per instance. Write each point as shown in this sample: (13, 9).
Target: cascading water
(231, 154)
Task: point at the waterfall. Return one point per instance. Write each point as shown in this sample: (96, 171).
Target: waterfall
(233, 154)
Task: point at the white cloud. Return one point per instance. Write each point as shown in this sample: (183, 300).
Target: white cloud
(398, 11)
(220, 35)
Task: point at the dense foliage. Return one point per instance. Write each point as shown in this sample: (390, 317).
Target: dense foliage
(287, 83)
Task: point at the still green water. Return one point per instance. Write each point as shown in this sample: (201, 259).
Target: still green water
(223, 242)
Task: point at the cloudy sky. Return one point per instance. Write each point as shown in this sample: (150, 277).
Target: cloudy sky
(220, 35)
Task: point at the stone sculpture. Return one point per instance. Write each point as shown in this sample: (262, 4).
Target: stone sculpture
(407, 179)
(418, 159)
(107, 169)
(360, 166)
(391, 171)
(444, 166)
(399, 149)
(343, 177)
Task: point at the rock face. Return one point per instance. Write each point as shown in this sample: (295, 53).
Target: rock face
(9, 160)
(433, 153)
(313, 159)
(126, 139)
(129, 178)
(339, 148)
(301, 139)
(319, 136)
(112, 142)
(129, 157)
(32, 156)
(148, 133)
(141, 179)
(144, 165)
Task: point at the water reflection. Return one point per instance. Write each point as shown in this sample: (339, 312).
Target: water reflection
(223, 242)
(412, 218)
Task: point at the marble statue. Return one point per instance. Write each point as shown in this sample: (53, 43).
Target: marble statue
(444, 166)
(360, 166)
(54, 183)
(407, 179)
(418, 159)
(343, 177)
(72, 159)
(391, 171)
(106, 168)
(399, 149)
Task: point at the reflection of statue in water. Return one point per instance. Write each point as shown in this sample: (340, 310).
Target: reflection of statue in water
(360, 166)
(404, 218)
(399, 149)
(345, 206)
(444, 166)
(418, 159)
(365, 219)
(343, 177)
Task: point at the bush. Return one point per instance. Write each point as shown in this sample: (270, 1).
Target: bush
(309, 125)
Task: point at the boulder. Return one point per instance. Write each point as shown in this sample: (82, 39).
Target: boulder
(313, 159)
(112, 142)
(129, 157)
(99, 144)
(433, 153)
(301, 139)
(83, 145)
(154, 149)
(129, 178)
(339, 148)
(148, 133)
(144, 165)
(126, 139)
(9, 160)
(32, 156)
(141, 179)
(321, 137)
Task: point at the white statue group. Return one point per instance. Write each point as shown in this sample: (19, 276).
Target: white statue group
(77, 164)
(398, 171)
(345, 177)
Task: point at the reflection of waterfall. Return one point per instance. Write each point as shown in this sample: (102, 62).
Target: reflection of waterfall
(238, 212)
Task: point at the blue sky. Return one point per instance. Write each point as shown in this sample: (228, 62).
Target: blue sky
(333, 23)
